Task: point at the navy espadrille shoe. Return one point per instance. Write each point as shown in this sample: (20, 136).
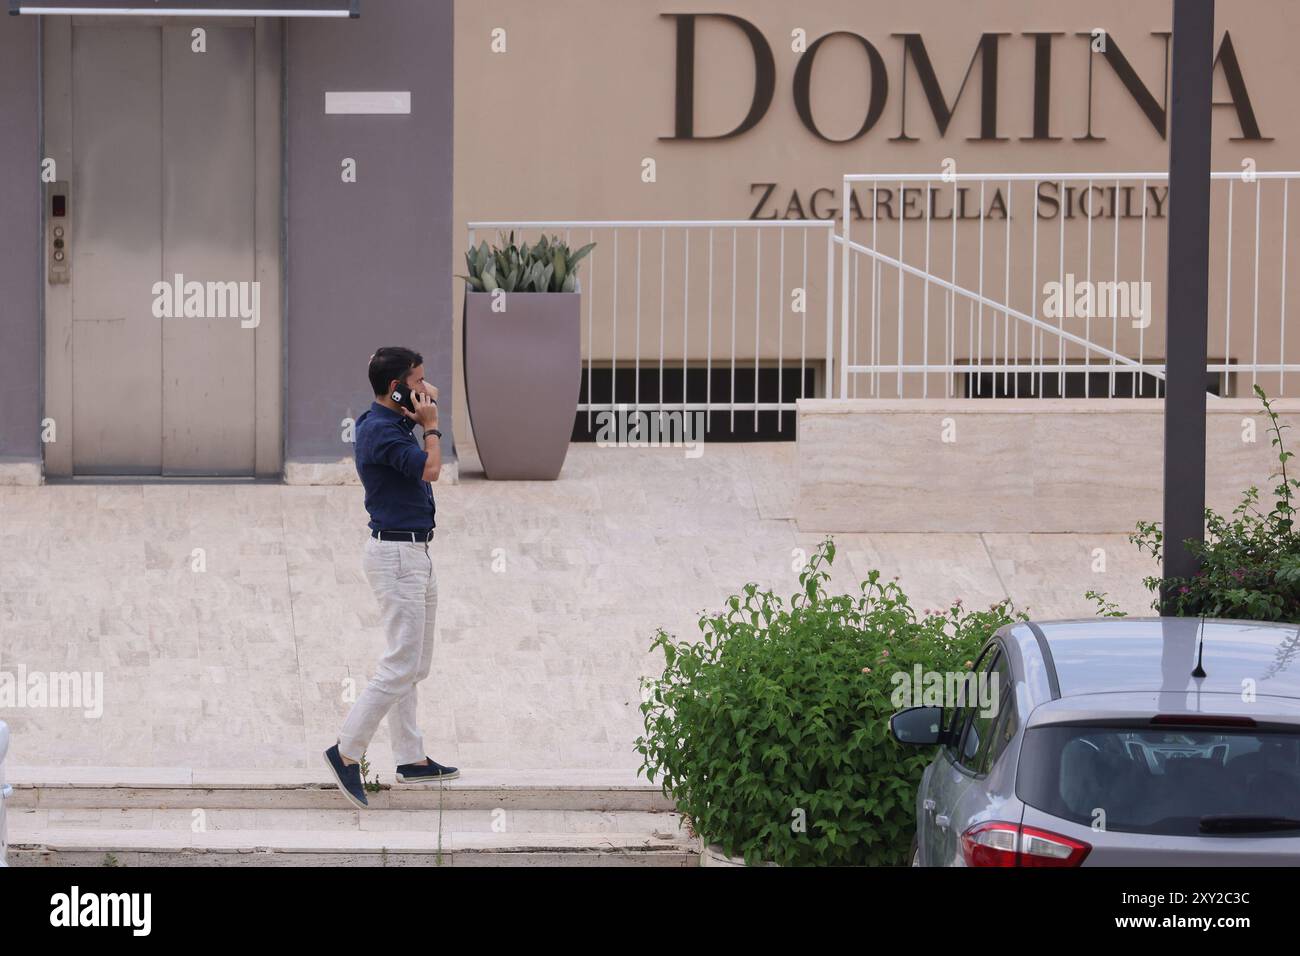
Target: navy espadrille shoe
(348, 776)
(431, 772)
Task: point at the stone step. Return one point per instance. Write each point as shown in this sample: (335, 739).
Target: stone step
(344, 817)
(182, 788)
(76, 846)
(147, 816)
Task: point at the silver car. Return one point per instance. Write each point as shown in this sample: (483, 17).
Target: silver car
(1116, 742)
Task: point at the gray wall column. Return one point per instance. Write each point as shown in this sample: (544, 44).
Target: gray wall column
(367, 262)
(20, 251)
(1191, 93)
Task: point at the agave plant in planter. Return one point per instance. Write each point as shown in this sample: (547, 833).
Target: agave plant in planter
(521, 354)
(548, 266)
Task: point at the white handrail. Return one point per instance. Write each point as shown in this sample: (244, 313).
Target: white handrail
(1028, 305)
(984, 301)
(655, 224)
(941, 177)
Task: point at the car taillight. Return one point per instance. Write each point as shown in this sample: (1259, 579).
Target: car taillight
(990, 844)
(1006, 844)
(1044, 848)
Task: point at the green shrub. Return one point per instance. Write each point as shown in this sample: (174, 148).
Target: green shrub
(1105, 606)
(771, 733)
(1250, 561)
(546, 266)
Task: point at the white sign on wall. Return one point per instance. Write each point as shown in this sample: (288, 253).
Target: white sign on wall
(368, 102)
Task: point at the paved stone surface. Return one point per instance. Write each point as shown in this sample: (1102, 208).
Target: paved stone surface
(550, 594)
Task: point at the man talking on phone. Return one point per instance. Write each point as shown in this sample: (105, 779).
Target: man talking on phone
(396, 470)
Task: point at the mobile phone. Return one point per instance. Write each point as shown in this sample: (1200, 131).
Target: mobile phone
(402, 396)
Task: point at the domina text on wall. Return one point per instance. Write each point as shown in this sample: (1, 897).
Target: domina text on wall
(912, 59)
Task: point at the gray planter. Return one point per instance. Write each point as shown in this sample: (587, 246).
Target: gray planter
(523, 372)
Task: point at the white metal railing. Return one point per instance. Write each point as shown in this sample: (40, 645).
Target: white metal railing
(945, 288)
(942, 305)
(751, 318)
(5, 791)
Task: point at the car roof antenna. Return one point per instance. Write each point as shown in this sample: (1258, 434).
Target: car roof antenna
(1200, 648)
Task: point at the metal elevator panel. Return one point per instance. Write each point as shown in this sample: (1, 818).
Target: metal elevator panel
(169, 216)
(116, 250)
(208, 194)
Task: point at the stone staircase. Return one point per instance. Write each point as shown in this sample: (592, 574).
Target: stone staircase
(179, 817)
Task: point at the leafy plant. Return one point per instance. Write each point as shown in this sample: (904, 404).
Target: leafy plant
(771, 733)
(1105, 606)
(546, 266)
(374, 786)
(1250, 560)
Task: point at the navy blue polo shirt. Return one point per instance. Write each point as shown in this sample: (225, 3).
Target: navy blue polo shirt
(390, 463)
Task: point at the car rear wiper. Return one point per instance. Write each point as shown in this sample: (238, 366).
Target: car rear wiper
(1243, 823)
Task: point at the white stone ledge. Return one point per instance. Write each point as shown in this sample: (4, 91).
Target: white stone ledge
(1016, 465)
(1034, 406)
(21, 473)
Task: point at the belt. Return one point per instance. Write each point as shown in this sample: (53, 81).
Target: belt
(415, 537)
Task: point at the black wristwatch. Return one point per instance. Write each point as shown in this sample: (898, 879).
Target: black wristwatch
(432, 431)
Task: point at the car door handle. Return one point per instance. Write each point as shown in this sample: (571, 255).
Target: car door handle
(928, 804)
(943, 820)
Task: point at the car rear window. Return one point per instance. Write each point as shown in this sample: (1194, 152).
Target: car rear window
(1163, 781)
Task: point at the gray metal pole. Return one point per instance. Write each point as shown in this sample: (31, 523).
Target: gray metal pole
(1188, 289)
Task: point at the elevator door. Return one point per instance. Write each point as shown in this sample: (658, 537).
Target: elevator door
(163, 308)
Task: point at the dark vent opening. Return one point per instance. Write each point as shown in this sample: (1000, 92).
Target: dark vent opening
(1080, 384)
(773, 385)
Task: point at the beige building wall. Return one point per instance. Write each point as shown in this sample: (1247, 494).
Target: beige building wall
(560, 123)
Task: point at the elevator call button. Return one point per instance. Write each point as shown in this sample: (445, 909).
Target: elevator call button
(57, 228)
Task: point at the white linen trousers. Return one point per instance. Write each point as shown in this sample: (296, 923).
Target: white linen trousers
(402, 577)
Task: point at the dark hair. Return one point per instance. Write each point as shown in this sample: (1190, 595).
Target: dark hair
(391, 363)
